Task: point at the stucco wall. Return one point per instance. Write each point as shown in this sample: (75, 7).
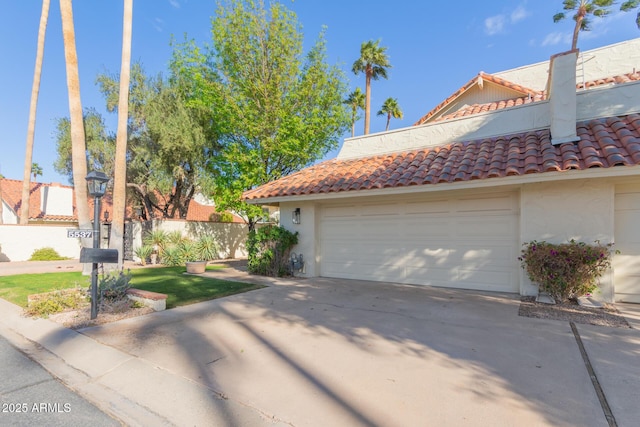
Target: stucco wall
(597, 102)
(560, 211)
(619, 58)
(231, 237)
(307, 234)
(17, 242)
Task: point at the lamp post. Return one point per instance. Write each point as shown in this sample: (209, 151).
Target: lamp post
(97, 184)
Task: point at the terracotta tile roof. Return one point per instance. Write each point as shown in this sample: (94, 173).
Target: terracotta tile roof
(532, 96)
(479, 79)
(12, 195)
(620, 79)
(200, 212)
(604, 143)
(491, 106)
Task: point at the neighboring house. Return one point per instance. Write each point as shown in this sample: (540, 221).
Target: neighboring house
(528, 154)
(50, 204)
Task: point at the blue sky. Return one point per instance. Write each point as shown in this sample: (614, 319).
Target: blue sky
(434, 47)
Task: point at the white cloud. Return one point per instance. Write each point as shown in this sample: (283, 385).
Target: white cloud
(494, 24)
(555, 38)
(158, 24)
(175, 3)
(498, 23)
(519, 14)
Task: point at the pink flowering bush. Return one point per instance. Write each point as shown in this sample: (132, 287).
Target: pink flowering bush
(567, 270)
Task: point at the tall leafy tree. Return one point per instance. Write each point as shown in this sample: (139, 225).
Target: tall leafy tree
(100, 145)
(31, 128)
(355, 101)
(78, 145)
(120, 177)
(36, 170)
(583, 11)
(274, 109)
(166, 149)
(629, 5)
(165, 155)
(373, 62)
(390, 108)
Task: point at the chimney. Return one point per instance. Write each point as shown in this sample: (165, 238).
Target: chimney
(561, 88)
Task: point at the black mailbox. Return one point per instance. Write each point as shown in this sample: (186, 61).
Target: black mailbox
(97, 255)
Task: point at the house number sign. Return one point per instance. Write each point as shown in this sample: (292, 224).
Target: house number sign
(80, 234)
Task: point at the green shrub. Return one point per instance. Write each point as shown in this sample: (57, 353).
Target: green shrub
(172, 256)
(157, 239)
(143, 252)
(269, 248)
(207, 248)
(188, 251)
(221, 217)
(568, 270)
(175, 237)
(46, 254)
(54, 302)
(114, 286)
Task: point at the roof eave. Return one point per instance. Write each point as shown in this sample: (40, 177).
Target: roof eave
(515, 180)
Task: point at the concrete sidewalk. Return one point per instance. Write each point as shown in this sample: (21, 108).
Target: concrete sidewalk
(316, 352)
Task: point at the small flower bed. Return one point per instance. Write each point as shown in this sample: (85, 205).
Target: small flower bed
(567, 270)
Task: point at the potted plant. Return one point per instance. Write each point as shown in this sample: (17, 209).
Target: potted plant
(198, 253)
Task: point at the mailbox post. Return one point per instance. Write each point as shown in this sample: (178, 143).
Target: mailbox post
(97, 184)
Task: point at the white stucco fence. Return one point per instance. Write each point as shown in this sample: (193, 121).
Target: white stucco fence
(17, 243)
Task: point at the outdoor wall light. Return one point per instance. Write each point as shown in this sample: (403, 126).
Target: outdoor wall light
(296, 216)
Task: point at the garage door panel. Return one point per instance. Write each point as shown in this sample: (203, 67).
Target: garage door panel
(483, 279)
(495, 204)
(430, 242)
(626, 265)
(498, 227)
(627, 227)
(427, 229)
(431, 208)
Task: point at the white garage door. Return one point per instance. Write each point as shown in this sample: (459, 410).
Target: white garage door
(626, 265)
(463, 242)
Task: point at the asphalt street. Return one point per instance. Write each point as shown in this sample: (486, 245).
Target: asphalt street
(31, 396)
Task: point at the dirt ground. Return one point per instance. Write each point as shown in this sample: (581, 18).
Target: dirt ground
(572, 312)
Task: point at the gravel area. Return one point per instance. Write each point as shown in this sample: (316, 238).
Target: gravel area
(608, 315)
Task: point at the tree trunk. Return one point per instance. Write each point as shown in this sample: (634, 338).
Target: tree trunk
(367, 104)
(78, 143)
(31, 127)
(1, 202)
(116, 240)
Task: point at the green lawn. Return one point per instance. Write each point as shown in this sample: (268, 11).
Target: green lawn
(181, 289)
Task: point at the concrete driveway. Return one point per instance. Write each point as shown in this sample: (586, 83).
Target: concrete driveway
(318, 352)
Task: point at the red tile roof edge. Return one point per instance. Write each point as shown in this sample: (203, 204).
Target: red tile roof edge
(482, 76)
(534, 96)
(604, 143)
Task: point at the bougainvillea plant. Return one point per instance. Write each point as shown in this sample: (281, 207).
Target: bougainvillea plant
(566, 271)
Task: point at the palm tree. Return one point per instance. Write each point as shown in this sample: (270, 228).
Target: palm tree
(631, 4)
(373, 62)
(31, 127)
(583, 9)
(390, 108)
(355, 100)
(36, 170)
(116, 240)
(1, 203)
(78, 144)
